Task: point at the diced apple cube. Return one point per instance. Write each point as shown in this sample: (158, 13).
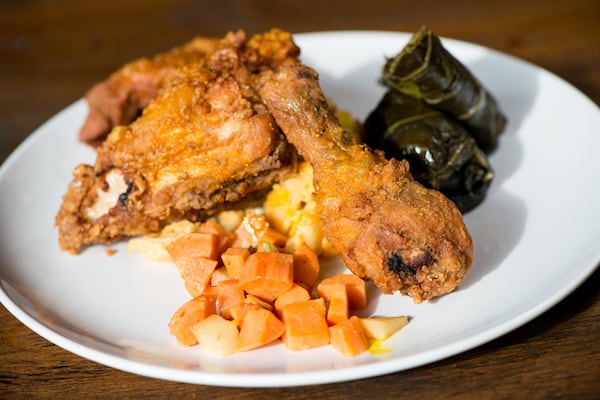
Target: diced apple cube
(216, 334)
(381, 328)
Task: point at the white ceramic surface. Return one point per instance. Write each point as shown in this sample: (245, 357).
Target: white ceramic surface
(537, 236)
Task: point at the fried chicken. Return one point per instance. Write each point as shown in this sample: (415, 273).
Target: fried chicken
(384, 225)
(119, 99)
(203, 143)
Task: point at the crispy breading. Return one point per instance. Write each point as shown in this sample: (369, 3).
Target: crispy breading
(119, 99)
(203, 143)
(385, 226)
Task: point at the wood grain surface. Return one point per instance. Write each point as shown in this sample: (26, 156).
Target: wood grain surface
(51, 52)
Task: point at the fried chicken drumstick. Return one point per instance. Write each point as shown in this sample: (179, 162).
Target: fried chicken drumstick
(385, 226)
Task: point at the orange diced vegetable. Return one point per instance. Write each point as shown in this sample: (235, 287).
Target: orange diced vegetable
(229, 296)
(259, 327)
(337, 306)
(234, 259)
(216, 334)
(208, 291)
(295, 294)
(189, 314)
(355, 288)
(305, 325)
(306, 266)
(249, 231)
(348, 337)
(212, 226)
(268, 275)
(194, 244)
(192, 290)
(248, 292)
(225, 238)
(255, 229)
(196, 272)
(236, 313)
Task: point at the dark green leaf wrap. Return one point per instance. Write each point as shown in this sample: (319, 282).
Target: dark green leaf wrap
(441, 154)
(424, 69)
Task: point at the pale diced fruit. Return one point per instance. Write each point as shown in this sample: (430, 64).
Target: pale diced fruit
(219, 275)
(381, 328)
(216, 335)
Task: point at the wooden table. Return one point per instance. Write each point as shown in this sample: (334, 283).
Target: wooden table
(52, 51)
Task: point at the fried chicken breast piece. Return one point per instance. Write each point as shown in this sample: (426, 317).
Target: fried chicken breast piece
(204, 143)
(384, 225)
(119, 99)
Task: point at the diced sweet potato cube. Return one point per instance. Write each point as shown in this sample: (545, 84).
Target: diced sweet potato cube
(237, 313)
(248, 232)
(337, 306)
(229, 296)
(225, 238)
(259, 327)
(196, 244)
(193, 291)
(234, 259)
(189, 314)
(212, 226)
(355, 288)
(295, 294)
(254, 229)
(209, 291)
(348, 337)
(305, 325)
(267, 275)
(196, 272)
(306, 266)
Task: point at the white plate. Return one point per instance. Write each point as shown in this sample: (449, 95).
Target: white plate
(537, 236)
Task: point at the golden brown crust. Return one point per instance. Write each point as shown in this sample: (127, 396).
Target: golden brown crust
(203, 143)
(385, 226)
(119, 99)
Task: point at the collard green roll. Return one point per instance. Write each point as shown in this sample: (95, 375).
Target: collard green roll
(442, 155)
(425, 70)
